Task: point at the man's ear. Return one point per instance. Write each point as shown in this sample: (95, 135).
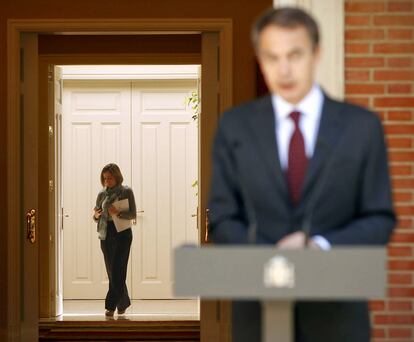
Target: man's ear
(317, 51)
(259, 61)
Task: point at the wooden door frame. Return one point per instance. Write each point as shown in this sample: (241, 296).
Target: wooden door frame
(47, 258)
(16, 28)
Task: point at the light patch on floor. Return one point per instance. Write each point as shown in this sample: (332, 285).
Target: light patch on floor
(140, 310)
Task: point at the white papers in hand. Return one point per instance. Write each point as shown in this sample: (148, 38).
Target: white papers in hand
(121, 224)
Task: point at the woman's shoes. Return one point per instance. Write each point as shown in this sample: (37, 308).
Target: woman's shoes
(109, 313)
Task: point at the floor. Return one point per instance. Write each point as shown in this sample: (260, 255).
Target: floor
(140, 310)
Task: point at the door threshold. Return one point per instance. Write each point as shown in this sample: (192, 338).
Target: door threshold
(119, 330)
(93, 318)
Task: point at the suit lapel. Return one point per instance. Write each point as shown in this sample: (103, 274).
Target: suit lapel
(330, 131)
(262, 125)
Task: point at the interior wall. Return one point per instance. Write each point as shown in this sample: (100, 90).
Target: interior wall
(242, 12)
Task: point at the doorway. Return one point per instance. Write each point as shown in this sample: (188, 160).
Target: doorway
(217, 86)
(142, 118)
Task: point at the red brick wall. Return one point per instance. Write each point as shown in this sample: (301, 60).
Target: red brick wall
(379, 67)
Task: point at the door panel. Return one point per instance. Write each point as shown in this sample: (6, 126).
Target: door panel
(215, 316)
(96, 125)
(150, 133)
(55, 93)
(58, 86)
(29, 120)
(165, 165)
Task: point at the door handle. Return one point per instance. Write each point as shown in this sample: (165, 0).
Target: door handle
(206, 226)
(31, 225)
(134, 221)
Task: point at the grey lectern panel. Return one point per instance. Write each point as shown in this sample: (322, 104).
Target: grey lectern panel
(265, 273)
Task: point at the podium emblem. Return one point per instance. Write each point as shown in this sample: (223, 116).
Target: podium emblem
(279, 272)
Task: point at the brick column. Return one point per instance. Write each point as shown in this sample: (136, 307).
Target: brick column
(379, 73)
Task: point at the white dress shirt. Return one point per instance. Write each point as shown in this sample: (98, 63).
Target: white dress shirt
(311, 110)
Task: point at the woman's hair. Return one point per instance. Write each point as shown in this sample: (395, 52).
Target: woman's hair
(286, 17)
(114, 170)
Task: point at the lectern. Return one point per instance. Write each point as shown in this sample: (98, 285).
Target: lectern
(277, 278)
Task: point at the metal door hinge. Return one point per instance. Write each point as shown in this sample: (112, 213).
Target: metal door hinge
(62, 217)
(50, 73)
(51, 185)
(21, 65)
(31, 225)
(50, 131)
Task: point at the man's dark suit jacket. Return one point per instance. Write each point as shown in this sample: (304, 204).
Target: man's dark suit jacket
(353, 205)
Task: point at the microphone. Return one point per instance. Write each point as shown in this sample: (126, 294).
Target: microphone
(251, 215)
(310, 209)
(248, 204)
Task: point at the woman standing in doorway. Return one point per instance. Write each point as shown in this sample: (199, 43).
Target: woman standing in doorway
(115, 245)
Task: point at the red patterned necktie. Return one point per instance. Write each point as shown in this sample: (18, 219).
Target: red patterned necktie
(297, 161)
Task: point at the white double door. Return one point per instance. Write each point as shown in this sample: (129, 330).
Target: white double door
(146, 128)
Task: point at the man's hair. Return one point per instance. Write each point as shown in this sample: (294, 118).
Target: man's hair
(114, 170)
(286, 17)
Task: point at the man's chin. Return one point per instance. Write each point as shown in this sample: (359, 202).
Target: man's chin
(290, 97)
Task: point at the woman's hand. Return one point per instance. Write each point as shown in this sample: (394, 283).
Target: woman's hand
(97, 213)
(113, 211)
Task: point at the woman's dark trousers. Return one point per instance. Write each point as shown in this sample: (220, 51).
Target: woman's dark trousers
(116, 249)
